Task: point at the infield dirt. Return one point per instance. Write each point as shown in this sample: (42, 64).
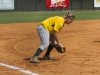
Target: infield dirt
(19, 41)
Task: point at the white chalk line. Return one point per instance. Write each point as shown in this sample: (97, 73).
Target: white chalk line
(18, 69)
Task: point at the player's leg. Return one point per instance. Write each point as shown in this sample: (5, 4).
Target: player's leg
(44, 37)
(50, 48)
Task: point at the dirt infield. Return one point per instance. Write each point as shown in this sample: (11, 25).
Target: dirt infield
(18, 43)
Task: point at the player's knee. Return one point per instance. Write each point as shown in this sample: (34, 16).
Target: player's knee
(45, 45)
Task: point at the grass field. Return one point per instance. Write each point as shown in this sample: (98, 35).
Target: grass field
(19, 17)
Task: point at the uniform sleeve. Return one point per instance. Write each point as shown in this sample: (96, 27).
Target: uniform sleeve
(58, 25)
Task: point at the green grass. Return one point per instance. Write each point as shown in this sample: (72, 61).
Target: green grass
(87, 15)
(19, 17)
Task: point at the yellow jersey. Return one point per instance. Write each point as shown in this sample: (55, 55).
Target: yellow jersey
(53, 24)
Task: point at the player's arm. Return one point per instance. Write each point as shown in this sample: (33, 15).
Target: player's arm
(56, 37)
(57, 27)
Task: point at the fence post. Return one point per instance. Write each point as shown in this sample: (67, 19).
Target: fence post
(45, 5)
(81, 5)
(35, 5)
(70, 4)
(15, 5)
(93, 4)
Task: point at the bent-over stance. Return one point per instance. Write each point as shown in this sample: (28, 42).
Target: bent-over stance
(47, 31)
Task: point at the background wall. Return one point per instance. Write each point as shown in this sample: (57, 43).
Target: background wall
(40, 5)
(30, 5)
(82, 4)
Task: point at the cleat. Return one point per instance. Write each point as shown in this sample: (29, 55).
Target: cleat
(34, 60)
(48, 57)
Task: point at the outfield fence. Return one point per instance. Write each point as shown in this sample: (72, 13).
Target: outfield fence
(40, 5)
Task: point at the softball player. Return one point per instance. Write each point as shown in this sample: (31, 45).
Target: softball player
(47, 31)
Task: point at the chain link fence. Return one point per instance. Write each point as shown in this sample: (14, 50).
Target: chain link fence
(40, 5)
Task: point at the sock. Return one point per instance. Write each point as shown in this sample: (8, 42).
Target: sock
(50, 47)
(38, 52)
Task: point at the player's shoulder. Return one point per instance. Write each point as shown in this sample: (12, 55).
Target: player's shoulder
(58, 17)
